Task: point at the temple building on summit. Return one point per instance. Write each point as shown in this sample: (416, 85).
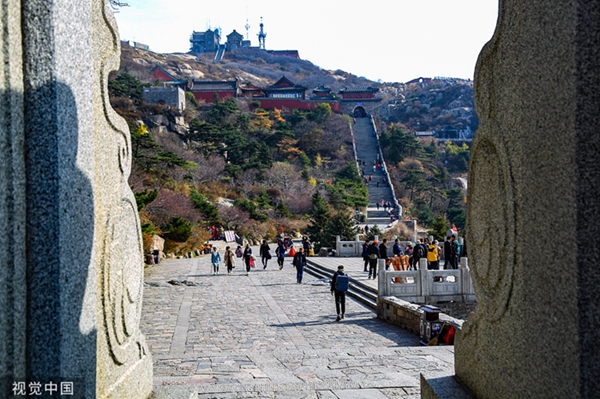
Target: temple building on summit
(359, 93)
(323, 93)
(251, 90)
(205, 90)
(285, 88)
(283, 94)
(359, 101)
(209, 41)
(235, 41)
(205, 42)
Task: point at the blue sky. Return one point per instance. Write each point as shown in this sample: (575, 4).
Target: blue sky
(391, 40)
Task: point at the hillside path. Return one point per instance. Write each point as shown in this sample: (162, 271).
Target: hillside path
(366, 150)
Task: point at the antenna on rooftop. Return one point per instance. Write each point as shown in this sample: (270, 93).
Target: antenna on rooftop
(261, 36)
(247, 28)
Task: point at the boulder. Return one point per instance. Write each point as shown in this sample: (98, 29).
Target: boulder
(158, 243)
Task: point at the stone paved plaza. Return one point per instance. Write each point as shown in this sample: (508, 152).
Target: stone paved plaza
(264, 336)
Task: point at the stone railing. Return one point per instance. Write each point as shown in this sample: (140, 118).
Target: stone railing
(348, 249)
(427, 286)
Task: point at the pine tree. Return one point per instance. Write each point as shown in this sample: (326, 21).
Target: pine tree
(263, 200)
(374, 231)
(343, 224)
(317, 229)
(282, 210)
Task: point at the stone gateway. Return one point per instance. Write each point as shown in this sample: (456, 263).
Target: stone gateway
(533, 215)
(71, 266)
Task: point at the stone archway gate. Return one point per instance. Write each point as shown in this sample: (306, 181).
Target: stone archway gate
(71, 266)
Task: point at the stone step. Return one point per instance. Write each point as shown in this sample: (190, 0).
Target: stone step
(366, 150)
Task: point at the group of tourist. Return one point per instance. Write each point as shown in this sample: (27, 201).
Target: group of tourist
(409, 256)
(249, 260)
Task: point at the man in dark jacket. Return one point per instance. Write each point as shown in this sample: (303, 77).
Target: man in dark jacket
(383, 252)
(299, 262)
(397, 248)
(373, 254)
(447, 250)
(340, 296)
(420, 251)
(365, 255)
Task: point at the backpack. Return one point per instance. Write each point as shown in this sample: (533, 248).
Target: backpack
(238, 252)
(421, 251)
(342, 282)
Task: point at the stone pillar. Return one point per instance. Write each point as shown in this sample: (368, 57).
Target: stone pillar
(534, 207)
(71, 266)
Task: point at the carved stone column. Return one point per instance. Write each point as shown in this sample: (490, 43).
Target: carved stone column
(534, 207)
(71, 263)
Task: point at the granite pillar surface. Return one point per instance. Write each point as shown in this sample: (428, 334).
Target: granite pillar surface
(533, 215)
(71, 265)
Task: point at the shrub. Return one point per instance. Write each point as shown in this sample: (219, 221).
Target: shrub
(178, 229)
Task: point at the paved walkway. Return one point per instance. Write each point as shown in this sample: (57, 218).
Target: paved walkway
(264, 336)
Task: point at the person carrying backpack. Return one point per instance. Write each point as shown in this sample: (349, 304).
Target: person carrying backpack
(299, 262)
(365, 255)
(339, 287)
(373, 254)
(280, 252)
(420, 251)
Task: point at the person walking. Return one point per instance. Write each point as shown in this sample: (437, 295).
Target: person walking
(433, 256)
(280, 252)
(265, 253)
(339, 292)
(299, 262)
(397, 248)
(229, 259)
(453, 253)
(373, 252)
(365, 255)
(447, 250)
(383, 253)
(215, 259)
(420, 251)
(408, 251)
(247, 257)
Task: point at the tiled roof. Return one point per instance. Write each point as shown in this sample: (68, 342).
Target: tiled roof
(170, 75)
(203, 85)
(359, 89)
(284, 84)
(322, 89)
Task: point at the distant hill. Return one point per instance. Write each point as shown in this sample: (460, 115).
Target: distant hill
(247, 65)
(422, 105)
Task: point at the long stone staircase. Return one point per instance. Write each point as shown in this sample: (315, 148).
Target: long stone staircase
(366, 151)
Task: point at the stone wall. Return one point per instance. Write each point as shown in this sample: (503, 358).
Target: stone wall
(407, 315)
(173, 96)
